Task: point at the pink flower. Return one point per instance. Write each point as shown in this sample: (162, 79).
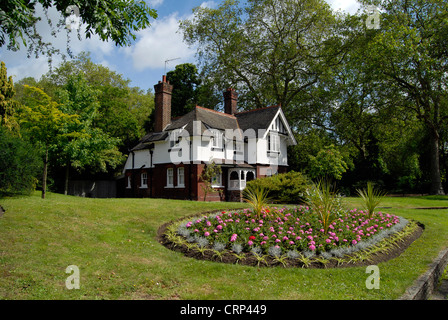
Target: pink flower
(206, 233)
(250, 243)
(354, 242)
(328, 241)
(219, 227)
(233, 237)
(312, 247)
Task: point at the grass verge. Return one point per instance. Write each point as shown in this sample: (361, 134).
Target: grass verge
(113, 242)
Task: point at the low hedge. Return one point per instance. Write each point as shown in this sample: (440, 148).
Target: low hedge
(288, 188)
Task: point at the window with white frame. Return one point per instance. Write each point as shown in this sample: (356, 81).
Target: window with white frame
(170, 177)
(216, 140)
(144, 178)
(181, 177)
(273, 142)
(217, 180)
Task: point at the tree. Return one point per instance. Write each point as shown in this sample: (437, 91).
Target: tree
(407, 56)
(19, 164)
(85, 144)
(115, 20)
(185, 81)
(271, 51)
(7, 104)
(43, 119)
(327, 164)
(122, 110)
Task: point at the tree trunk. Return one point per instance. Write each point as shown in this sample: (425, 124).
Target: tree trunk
(67, 172)
(44, 175)
(434, 167)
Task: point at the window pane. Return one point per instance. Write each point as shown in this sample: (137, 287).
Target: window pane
(180, 176)
(169, 176)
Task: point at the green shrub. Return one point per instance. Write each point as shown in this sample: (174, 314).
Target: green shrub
(19, 164)
(283, 188)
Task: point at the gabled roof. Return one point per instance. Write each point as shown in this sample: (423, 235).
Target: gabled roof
(210, 119)
(257, 119)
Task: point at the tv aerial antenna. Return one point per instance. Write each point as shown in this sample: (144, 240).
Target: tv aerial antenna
(166, 61)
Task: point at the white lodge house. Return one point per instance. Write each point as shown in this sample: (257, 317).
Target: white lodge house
(168, 162)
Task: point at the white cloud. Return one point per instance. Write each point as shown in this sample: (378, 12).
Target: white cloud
(155, 3)
(349, 6)
(160, 42)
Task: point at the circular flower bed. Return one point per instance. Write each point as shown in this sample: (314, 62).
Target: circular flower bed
(284, 233)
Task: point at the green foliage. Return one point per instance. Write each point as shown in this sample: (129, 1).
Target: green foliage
(7, 105)
(210, 171)
(287, 187)
(121, 111)
(257, 198)
(42, 116)
(407, 58)
(43, 119)
(87, 144)
(328, 163)
(371, 198)
(19, 164)
(242, 44)
(110, 20)
(185, 80)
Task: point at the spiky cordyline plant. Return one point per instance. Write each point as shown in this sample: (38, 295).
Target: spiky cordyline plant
(371, 198)
(322, 200)
(257, 198)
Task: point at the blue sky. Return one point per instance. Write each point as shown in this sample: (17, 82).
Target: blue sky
(144, 61)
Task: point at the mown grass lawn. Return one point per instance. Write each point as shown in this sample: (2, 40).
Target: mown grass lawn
(113, 243)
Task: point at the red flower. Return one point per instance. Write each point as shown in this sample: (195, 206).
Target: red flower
(252, 238)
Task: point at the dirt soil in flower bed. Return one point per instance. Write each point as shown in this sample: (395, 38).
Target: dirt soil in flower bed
(251, 260)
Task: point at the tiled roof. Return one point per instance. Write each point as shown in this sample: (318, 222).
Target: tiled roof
(253, 119)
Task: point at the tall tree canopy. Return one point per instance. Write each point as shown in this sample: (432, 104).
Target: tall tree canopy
(271, 51)
(42, 117)
(408, 57)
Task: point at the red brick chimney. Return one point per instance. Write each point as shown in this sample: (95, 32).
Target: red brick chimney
(230, 101)
(162, 102)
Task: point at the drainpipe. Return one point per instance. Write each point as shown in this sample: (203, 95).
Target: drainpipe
(189, 169)
(151, 151)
